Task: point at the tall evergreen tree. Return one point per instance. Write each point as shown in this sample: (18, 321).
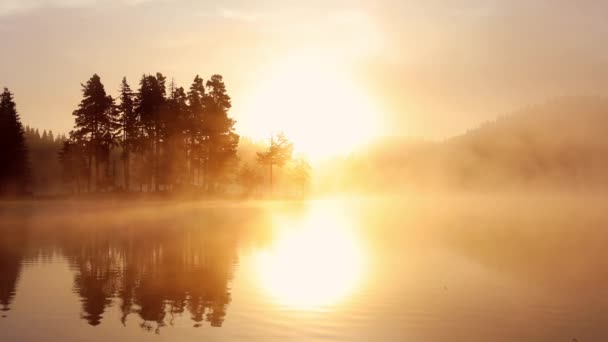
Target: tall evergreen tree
(95, 124)
(150, 101)
(175, 138)
(219, 128)
(129, 127)
(194, 128)
(14, 169)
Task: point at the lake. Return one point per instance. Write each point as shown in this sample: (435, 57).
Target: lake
(410, 268)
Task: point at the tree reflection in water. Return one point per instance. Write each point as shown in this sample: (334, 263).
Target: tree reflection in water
(156, 274)
(153, 267)
(12, 245)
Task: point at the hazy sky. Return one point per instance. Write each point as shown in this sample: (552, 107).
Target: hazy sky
(433, 68)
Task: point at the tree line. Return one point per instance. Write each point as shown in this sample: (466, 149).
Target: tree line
(28, 159)
(45, 169)
(14, 166)
(168, 138)
(159, 137)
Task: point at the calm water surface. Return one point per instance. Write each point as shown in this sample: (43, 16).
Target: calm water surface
(415, 269)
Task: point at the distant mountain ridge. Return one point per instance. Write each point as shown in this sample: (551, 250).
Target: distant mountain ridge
(561, 143)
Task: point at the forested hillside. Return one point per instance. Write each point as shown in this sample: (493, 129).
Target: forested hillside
(558, 144)
(45, 169)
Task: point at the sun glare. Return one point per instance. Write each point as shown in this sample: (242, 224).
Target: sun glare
(316, 103)
(313, 263)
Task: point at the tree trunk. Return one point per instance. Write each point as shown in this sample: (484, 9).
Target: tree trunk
(89, 171)
(96, 172)
(156, 178)
(206, 185)
(127, 171)
(198, 172)
(191, 173)
(96, 151)
(208, 180)
(114, 175)
(155, 162)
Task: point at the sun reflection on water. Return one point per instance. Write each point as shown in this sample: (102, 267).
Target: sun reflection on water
(314, 261)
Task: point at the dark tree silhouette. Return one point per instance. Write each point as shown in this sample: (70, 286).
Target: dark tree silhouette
(129, 127)
(222, 141)
(95, 125)
(171, 139)
(95, 278)
(155, 275)
(194, 129)
(150, 101)
(45, 168)
(174, 159)
(14, 169)
(73, 162)
(12, 246)
(279, 152)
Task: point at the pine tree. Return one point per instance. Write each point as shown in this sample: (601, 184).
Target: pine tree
(174, 161)
(14, 167)
(149, 104)
(219, 128)
(194, 128)
(95, 124)
(129, 127)
(180, 138)
(279, 152)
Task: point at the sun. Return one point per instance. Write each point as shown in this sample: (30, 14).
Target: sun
(316, 103)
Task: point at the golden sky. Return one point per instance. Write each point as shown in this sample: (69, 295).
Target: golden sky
(413, 68)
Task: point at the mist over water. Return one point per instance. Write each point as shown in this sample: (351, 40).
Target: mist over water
(432, 268)
(371, 170)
